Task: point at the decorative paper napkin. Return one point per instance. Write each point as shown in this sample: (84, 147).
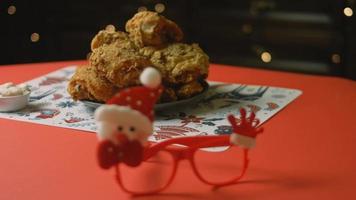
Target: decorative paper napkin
(51, 105)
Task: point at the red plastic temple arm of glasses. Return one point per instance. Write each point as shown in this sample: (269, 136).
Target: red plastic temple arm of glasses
(192, 141)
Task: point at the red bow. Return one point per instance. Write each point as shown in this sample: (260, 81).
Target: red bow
(128, 152)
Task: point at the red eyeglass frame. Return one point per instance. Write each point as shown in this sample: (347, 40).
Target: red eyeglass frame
(187, 151)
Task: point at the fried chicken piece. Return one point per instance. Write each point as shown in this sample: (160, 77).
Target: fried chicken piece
(117, 58)
(190, 89)
(168, 95)
(88, 84)
(109, 37)
(119, 63)
(149, 28)
(179, 63)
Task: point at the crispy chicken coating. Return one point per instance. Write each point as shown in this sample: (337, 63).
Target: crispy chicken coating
(88, 84)
(190, 89)
(149, 28)
(168, 95)
(117, 58)
(179, 63)
(109, 37)
(120, 65)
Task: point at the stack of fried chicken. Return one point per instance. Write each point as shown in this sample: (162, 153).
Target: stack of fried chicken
(118, 58)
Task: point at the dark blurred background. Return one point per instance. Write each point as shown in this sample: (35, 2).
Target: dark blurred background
(307, 36)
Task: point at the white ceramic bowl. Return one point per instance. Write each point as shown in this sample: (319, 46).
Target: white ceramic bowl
(14, 103)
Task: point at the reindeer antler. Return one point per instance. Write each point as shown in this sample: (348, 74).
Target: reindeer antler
(246, 126)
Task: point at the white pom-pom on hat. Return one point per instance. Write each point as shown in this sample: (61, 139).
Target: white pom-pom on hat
(150, 77)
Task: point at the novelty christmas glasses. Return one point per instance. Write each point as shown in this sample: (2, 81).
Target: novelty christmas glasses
(125, 123)
(154, 169)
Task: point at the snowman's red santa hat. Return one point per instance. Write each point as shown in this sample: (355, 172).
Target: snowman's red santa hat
(140, 99)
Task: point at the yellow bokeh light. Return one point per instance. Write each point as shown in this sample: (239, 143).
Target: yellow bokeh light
(266, 57)
(11, 10)
(159, 7)
(247, 28)
(348, 12)
(35, 37)
(335, 58)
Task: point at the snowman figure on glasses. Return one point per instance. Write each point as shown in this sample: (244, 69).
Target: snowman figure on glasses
(126, 121)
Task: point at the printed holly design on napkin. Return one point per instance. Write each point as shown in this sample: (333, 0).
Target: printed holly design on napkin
(51, 105)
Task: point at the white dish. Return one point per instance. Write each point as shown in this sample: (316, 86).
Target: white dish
(14, 103)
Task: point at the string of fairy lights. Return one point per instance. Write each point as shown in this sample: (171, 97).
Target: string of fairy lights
(265, 55)
(35, 37)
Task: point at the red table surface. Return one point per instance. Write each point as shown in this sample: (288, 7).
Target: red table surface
(307, 150)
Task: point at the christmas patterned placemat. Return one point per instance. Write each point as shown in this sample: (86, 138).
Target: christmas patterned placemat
(51, 105)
